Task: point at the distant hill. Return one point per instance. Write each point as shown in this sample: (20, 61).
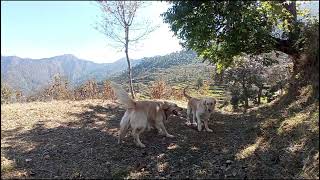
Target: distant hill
(177, 69)
(29, 75)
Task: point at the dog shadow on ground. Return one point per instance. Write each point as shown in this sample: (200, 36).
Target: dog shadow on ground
(87, 148)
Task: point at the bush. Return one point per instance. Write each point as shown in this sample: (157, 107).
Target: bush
(6, 94)
(177, 93)
(159, 90)
(108, 92)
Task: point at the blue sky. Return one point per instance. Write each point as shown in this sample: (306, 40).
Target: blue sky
(39, 29)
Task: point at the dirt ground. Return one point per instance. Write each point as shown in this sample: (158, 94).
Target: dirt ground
(79, 140)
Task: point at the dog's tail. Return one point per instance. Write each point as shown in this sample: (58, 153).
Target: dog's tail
(185, 94)
(123, 96)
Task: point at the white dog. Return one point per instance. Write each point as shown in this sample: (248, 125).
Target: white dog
(143, 114)
(201, 108)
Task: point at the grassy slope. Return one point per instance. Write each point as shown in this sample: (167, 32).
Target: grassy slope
(78, 139)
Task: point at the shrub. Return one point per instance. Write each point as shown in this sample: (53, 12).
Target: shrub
(159, 90)
(108, 92)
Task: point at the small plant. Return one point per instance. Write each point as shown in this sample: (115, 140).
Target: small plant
(58, 90)
(199, 83)
(108, 93)
(159, 90)
(88, 90)
(18, 96)
(204, 90)
(177, 94)
(6, 93)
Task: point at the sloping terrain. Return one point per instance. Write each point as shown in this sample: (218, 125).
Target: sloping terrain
(67, 139)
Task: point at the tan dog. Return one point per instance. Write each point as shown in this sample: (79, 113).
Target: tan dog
(143, 114)
(201, 108)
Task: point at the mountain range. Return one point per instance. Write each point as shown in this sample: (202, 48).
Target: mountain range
(29, 75)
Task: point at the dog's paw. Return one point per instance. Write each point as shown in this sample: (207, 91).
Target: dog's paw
(142, 145)
(170, 136)
(188, 123)
(209, 130)
(194, 124)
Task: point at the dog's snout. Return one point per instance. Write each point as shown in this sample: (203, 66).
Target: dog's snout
(209, 110)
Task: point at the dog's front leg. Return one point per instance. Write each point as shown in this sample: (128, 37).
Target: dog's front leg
(163, 128)
(136, 138)
(124, 125)
(194, 119)
(199, 122)
(188, 116)
(159, 130)
(206, 126)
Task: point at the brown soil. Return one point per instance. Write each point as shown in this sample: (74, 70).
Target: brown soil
(79, 140)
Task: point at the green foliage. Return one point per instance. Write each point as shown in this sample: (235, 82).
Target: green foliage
(310, 62)
(221, 30)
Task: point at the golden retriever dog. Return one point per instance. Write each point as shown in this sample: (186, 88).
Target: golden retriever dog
(141, 115)
(201, 108)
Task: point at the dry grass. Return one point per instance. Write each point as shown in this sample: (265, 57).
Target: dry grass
(26, 115)
(77, 139)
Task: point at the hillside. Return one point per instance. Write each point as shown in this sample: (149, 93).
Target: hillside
(30, 75)
(175, 68)
(77, 139)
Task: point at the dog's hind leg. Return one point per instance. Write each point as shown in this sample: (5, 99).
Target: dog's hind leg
(124, 126)
(161, 126)
(188, 115)
(199, 122)
(135, 133)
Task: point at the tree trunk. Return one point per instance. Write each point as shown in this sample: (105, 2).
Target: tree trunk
(259, 95)
(245, 93)
(128, 61)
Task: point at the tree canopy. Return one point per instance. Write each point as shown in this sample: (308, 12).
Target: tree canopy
(220, 31)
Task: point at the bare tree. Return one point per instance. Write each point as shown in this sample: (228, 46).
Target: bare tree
(120, 18)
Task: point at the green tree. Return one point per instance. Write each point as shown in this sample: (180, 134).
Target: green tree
(245, 77)
(221, 30)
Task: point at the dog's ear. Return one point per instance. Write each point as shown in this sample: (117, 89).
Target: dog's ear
(204, 102)
(165, 105)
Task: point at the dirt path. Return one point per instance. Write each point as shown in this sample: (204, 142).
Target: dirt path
(87, 148)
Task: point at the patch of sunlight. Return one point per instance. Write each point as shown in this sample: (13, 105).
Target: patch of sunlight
(200, 172)
(173, 146)
(161, 167)
(7, 165)
(314, 126)
(194, 148)
(290, 123)
(297, 146)
(137, 175)
(161, 156)
(269, 123)
(112, 116)
(249, 150)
